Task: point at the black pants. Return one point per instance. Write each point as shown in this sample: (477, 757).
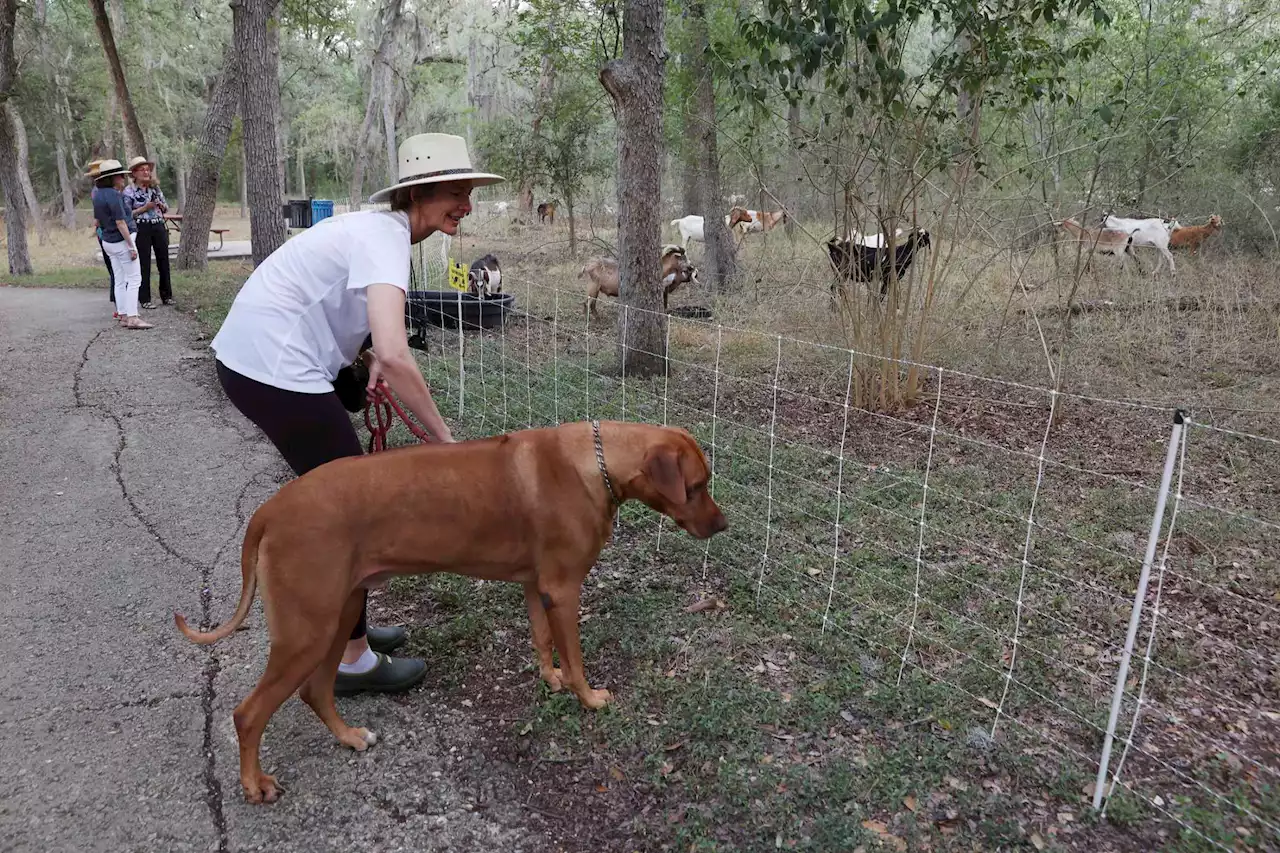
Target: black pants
(308, 429)
(111, 274)
(153, 235)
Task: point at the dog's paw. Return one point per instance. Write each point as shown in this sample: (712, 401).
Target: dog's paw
(359, 739)
(554, 679)
(594, 698)
(263, 789)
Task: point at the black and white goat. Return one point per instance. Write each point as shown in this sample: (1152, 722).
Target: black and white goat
(854, 260)
(484, 278)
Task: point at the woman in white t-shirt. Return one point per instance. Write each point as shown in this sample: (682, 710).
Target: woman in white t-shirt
(303, 315)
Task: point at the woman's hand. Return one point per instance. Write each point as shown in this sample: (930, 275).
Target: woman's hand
(133, 253)
(375, 372)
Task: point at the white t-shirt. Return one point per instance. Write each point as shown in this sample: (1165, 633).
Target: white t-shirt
(303, 313)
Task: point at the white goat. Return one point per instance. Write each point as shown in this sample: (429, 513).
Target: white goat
(1146, 232)
(691, 228)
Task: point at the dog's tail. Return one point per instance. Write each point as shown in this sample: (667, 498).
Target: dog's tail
(249, 586)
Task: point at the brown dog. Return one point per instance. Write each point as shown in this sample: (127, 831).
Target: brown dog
(535, 507)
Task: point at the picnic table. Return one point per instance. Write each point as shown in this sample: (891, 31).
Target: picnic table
(175, 220)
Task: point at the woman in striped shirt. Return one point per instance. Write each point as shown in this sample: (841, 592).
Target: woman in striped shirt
(148, 205)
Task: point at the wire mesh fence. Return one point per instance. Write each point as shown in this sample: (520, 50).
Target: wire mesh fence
(1065, 576)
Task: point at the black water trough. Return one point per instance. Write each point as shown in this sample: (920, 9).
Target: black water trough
(443, 307)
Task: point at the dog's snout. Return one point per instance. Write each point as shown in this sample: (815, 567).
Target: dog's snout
(719, 524)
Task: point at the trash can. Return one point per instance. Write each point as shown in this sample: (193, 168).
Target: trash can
(299, 213)
(321, 208)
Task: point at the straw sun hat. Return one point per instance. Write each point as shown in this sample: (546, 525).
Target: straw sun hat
(106, 169)
(432, 158)
(140, 161)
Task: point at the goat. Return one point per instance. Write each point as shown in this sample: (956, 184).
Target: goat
(691, 227)
(500, 208)
(603, 277)
(1146, 232)
(859, 262)
(755, 221)
(1102, 241)
(547, 211)
(873, 241)
(484, 279)
(1192, 236)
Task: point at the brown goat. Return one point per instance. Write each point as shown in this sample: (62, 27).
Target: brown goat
(603, 277)
(1192, 236)
(1101, 242)
(755, 220)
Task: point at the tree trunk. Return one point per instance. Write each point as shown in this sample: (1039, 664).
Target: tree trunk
(691, 183)
(134, 141)
(722, 266)
(634, 82)
(573, 230)
(473, 84)
(389, 127)
(206, 166)
(10, 181)
(792, 195)
(541, 102)
(180, 176)
(64, 178)
(57, 98)
(19, 131)
(302, 174)
(244, 178)
(380, 80)
(259, 108)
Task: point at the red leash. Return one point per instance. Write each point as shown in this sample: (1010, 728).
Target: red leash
(382, 403)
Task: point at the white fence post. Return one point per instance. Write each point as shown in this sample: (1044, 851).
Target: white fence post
(1135, 616)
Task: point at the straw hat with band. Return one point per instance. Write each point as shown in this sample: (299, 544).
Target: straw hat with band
(433, 158)
(109, 169)
(92, 168)
(140, 161)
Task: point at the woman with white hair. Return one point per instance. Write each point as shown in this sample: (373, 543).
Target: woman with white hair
(304, 314)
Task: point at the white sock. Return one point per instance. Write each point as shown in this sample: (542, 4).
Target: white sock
(367, 661)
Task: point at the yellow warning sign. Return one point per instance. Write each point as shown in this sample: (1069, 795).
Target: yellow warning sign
(458, 275)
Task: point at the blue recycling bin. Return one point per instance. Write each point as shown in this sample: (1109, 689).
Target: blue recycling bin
(321, 208)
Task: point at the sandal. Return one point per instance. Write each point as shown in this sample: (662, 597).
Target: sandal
(135, 323)
(149, 305)
(169, 301)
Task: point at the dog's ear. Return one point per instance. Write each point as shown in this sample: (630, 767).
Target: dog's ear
(662, 467)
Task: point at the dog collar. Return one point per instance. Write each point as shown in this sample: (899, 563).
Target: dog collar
(604, 469)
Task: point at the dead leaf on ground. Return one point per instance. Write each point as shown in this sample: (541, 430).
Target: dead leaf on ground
(910, 802)
(882, 831)
(705, 604)
(616, 774)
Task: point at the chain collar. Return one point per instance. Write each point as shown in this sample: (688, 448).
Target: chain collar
(604, 470)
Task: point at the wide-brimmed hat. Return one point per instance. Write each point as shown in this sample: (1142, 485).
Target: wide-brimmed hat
(140, 161)
(109, 169)
(433, 158)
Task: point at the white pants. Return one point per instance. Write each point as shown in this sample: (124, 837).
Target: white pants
(128, 277)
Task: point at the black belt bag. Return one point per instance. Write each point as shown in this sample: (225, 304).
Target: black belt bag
(352, 380)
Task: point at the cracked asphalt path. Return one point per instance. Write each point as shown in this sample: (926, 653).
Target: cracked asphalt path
(126, 483)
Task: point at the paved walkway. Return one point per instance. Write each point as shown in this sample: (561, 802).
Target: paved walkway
(126, 483)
